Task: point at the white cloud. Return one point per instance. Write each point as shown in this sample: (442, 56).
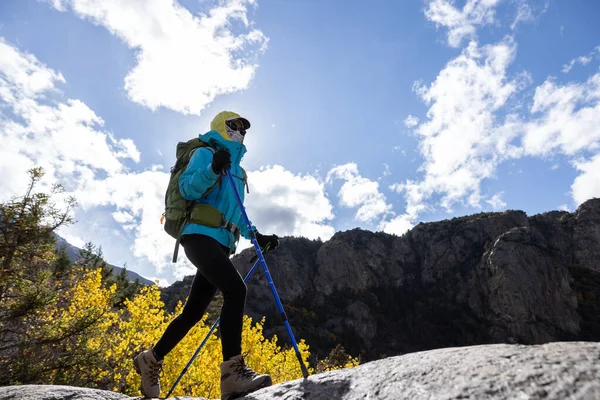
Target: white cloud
(74, 240)
(568, 118)
(183, 61)
(564, 207)
(397, 187)
(528, 11)
(66, 139)
(411, 121)
(582, 60)
(461, 24)
(470, 127)
(359, 192)
(139, 202)
(458, 140)
(587, 184)
(63, 137)
(386, 171)
(524, 14)
(160, 282)
(288, 205)
(126, 148)
(23, 75)
(496, 201)
(400, 149)
(398, 225)
(122, 217)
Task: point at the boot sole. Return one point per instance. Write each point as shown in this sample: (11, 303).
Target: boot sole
(230, 396)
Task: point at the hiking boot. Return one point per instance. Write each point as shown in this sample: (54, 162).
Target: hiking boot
(237, 379)
(146, 365)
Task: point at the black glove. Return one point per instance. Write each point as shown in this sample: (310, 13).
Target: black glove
(221, 161)
(269, 242)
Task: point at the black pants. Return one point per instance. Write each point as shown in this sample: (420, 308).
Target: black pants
(215, 271)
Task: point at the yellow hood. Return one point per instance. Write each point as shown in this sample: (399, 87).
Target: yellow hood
(218, 122)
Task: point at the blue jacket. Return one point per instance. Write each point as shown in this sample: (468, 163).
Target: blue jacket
(199, 176)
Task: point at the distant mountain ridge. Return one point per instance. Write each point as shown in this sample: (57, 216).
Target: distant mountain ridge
(73, 254)
(501, 277)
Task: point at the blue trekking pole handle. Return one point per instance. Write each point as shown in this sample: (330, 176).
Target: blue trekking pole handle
(261, 259)
(248, 275)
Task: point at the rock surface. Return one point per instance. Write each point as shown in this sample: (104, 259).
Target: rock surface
(562, 370)
(50, 392)
(551, 371)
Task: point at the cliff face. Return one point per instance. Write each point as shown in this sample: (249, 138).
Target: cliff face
(486, 278)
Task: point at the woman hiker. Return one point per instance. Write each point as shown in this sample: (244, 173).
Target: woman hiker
(209, 249)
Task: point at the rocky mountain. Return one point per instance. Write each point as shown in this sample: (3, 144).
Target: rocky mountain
(500, 371)
(486, 278)
(73, 253)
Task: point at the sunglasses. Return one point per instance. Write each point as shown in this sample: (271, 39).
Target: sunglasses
(236, 125)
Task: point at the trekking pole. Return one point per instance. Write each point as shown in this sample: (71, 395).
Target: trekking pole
(261, 259)
(205, 340)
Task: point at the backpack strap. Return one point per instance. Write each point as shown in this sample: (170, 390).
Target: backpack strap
(190, 206)
(243, 178)
(188, 213)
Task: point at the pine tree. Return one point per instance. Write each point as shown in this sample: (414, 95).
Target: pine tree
(63, 263)
(337, 359)
(29, 267)
(91, 257)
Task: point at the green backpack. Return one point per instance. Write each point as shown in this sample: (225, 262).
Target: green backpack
(179, 211)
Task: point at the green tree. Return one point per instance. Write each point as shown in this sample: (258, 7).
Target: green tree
(91, 257)
(63, 263)
(29, 267)
(337, 359)
(126, 290)
(26, 231)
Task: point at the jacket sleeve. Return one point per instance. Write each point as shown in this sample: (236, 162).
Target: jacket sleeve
(244, 228)
(198, 176)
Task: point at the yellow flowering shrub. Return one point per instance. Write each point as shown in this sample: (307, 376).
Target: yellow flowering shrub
(142, 322)
(100, 342)
(60, 324)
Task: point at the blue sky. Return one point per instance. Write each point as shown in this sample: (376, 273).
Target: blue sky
(377, 115)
